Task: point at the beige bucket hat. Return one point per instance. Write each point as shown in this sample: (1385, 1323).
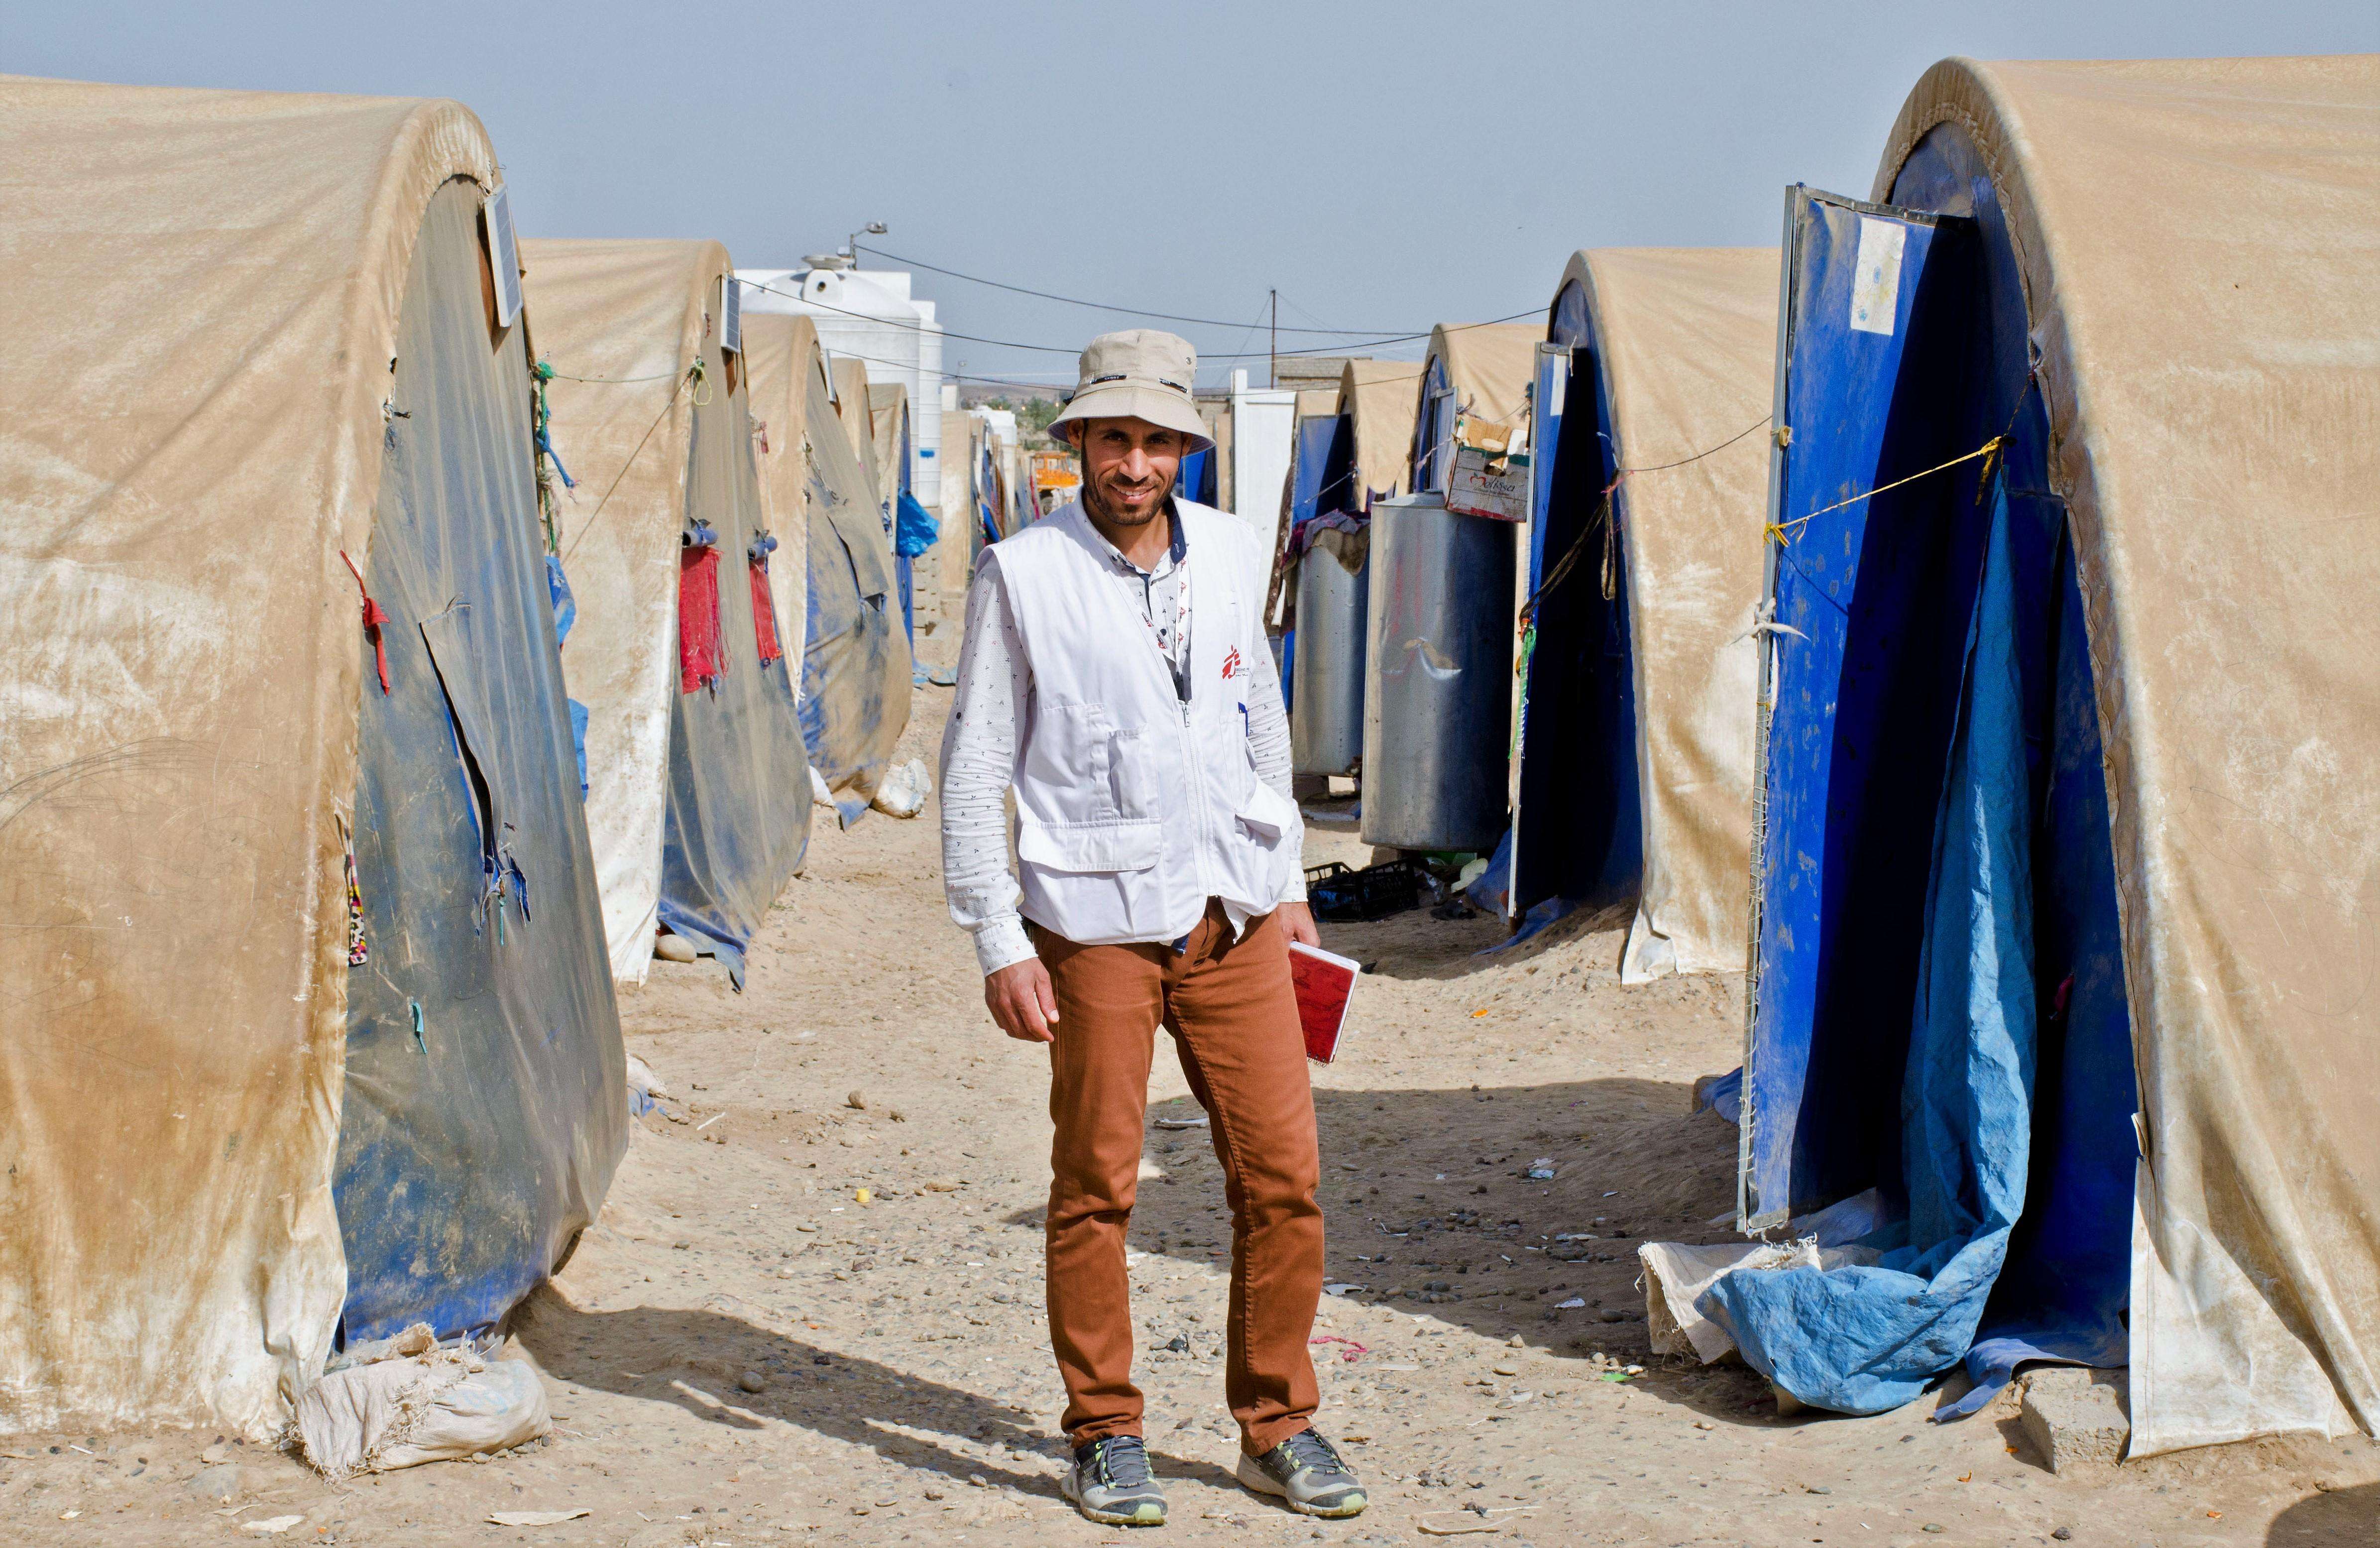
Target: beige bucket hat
(1139, 374)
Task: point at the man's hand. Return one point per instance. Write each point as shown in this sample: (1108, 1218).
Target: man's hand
(1297, 923)
(1021, 1000)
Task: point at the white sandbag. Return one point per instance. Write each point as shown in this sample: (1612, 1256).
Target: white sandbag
(439, 1406)
(646, 1083)
(905, 789)
(1676, 1276)
(645, 1089)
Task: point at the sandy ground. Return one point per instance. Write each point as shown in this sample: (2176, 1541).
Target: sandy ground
(905, 1393)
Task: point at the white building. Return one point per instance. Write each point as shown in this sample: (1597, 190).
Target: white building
(868, 315)
(1264, 428)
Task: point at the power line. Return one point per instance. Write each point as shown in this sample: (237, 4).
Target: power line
(1103, 306)
(1075, 349)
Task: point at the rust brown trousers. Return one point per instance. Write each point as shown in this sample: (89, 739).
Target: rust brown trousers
(1234, 1021)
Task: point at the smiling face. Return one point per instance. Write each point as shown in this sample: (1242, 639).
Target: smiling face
(1128, 467)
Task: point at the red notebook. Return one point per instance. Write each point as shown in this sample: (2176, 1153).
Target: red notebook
(1325, 981)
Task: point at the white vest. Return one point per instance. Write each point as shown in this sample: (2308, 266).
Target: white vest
(1132, 807)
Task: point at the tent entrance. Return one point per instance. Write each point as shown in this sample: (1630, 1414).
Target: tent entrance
(1938, 1009)
(1577, 833)
(736, 817)
(483, 1107)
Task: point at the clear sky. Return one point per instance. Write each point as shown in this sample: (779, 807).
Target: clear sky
(1386, 165)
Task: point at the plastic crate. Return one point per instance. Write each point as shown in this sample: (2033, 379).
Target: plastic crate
(1342, 895)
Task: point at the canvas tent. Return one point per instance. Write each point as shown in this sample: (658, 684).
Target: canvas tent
(857, 413)
(1379, 400)
(914, 527)
(787, 369)
(2072, 789)
(856, 675)
(310, 1031)
(699, 806)
(1639, 661)
(963, 499)
(1473, 371)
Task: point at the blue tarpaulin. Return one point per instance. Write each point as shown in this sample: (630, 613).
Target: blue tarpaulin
(914, 529)
(1938, 1004)
(485, 1103)
(1868, 1338)
(1194, 479)
(1577, 826)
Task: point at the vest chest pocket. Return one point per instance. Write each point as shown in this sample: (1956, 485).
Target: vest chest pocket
(1132, 777)
(1105, 771)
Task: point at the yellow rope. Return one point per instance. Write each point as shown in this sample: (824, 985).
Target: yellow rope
(1783, 531)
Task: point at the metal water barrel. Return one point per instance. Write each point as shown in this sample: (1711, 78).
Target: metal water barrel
(1326, 718)
(1438, 690)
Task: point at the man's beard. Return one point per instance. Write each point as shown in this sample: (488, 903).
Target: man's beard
(1097, 504)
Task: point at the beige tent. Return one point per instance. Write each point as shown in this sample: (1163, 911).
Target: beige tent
(856, 671)
(698, 802)
(1474, 384)
(2199, 243)
(1217, 415)
(2113, 626)
(1381, 398)
(962, 457)
(888, 417)
(788, 368)
(246, 339)
(1683, 342)
(1317, 403)
(854, 407)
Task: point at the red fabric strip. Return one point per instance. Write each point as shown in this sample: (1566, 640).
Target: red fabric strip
(699, 660)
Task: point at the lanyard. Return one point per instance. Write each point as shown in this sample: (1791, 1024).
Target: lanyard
(1177, 664)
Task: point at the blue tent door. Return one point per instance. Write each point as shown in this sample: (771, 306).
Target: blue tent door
(1550, 392)
(1851, 277)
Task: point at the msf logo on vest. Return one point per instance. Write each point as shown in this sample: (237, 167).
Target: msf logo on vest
(1231, 664)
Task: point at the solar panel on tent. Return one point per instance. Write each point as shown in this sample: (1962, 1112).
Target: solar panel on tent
(731, 315)
(504, 255)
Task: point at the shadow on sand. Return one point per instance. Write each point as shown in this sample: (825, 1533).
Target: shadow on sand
(1431, 1210)
(692, 1359)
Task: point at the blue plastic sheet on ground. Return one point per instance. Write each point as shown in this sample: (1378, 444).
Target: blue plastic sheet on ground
(1863, 1340)
(1540, 915)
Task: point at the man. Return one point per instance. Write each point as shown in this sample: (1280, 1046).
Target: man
(1114, 673)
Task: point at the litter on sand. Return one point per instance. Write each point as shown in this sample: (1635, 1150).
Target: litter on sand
(1199, 1122)
(904, 790)
(271, 1525)
(534, 1518)
(1484, 1520)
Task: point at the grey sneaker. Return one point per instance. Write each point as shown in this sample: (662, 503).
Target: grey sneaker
(1308, 1474)
(1110, 1483)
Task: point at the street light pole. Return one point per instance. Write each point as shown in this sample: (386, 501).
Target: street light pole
(873, 228)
